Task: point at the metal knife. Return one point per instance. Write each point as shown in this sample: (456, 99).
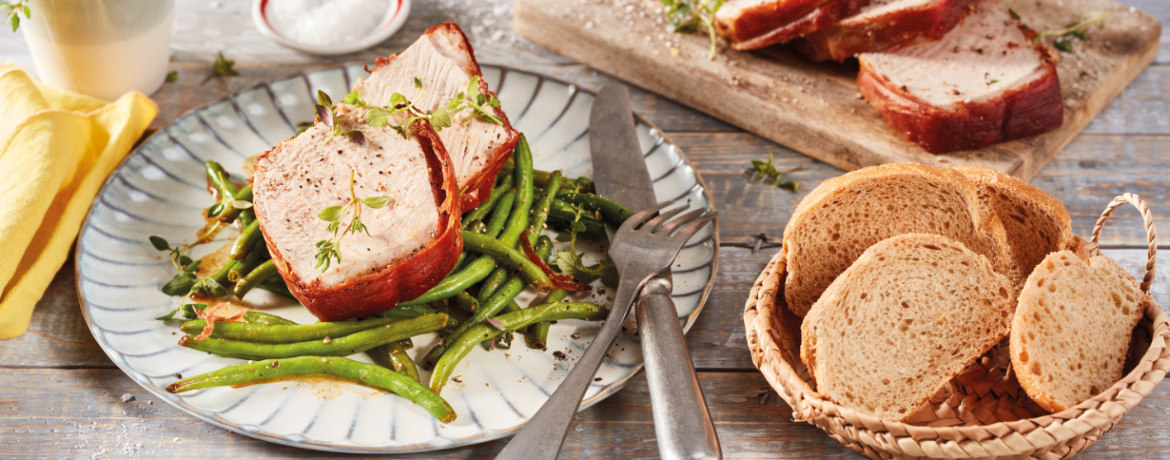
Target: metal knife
(682, 422)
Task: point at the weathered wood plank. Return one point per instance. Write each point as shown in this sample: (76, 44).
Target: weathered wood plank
(67, 414)
(203, 28)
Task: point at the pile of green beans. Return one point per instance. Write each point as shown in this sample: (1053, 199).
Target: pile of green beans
(365, 374)
(341, 346)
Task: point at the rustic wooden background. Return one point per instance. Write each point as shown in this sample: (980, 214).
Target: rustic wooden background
(60, 397)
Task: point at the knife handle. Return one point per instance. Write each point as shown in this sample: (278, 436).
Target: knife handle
(681, 420)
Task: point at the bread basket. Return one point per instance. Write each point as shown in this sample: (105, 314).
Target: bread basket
(982, 412)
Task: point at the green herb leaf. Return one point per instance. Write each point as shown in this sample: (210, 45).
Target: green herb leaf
(188, 311)
(1063, 45)
(172, 76)
(376, 202)
(354, 98)
(224, 67)
(159, 243)
(570, 264)
(324, 99)
(331, 213)
(1014, 14)
(180, 285)
(397, 100)
(440, 119)
(356, 137)
(302, 126)
(377, 117)
(417, 83)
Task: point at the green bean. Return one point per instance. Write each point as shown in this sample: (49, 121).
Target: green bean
(505, 183)
(508, 256)
(456, 282)
(540, 179)
(247, 239)
(461, 345)
(256, 256)
(407, 311)
(500, 300)
(259, 317)
(252, 279)
(342, 346)
(401, 361)
(500, 217)
(537, 335)
(566, 213)
(477, 226)
(518, 221)
(284, 334)
(221, 276)
(611, 212)
(224, 188)
(276, 285)
(540, 211)
(492, 284)
(585, 185)
(365, 374)
(232, 212)
(466, 302)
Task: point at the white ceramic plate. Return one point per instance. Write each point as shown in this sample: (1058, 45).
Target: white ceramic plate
(160, 190)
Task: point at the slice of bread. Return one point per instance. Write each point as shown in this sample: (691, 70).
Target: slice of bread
(905, 318)
(1036, 223)
(846, 215)
(1071, 331)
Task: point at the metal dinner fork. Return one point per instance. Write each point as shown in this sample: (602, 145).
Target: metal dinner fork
(642, 249)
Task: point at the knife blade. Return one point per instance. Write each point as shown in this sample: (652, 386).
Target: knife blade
(619, 168)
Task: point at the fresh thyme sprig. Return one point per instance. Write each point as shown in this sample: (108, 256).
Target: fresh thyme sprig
(328, 115)
(438, 118)
(19, 6)
(570, 262)
(185, 282)
(476, 101)
(769, 171)
(689, 15)
(222, 67)
(329, 250)
(1076, 30)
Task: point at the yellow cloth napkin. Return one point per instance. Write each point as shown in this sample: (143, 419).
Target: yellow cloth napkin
(56, 150)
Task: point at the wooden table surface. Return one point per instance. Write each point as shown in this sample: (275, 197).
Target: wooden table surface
(61, 397)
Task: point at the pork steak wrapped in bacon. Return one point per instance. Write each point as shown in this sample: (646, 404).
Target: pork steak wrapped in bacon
(413, 241)
(984, 82)
(444, 61)
(754, 24)
(886, 25)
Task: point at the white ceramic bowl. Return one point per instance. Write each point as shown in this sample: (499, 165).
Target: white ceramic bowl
(394, 19)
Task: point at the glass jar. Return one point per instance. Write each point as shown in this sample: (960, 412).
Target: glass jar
(101, 48)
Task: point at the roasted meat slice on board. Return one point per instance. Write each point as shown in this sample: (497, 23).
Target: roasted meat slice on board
(984, 82)
(412, 241)
(754, 24)
(444, 62)
(886, 25)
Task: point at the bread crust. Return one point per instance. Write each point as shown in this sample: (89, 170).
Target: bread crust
(1006, 194)
(887, 32)
(987, 227)
(403, 279)
(1032, 310)
(835, 296)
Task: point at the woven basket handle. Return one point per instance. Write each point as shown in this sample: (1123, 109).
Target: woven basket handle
(1151, 234)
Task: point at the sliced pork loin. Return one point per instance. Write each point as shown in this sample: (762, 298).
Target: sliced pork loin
(982, 83)
(754, 24)
(445, 62)
(886, 25)
(413, 242)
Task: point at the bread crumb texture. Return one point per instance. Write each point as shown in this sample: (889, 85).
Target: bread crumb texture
(1072, 328)
(845, 215)
(902, 320)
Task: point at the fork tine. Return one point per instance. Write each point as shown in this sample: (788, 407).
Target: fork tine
(683, 220)
(690, 229)
(630, 224)
(656, 223)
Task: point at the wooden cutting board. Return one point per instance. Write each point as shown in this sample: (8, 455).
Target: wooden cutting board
(815, 108)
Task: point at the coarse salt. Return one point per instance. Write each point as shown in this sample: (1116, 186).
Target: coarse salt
(326, 22)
